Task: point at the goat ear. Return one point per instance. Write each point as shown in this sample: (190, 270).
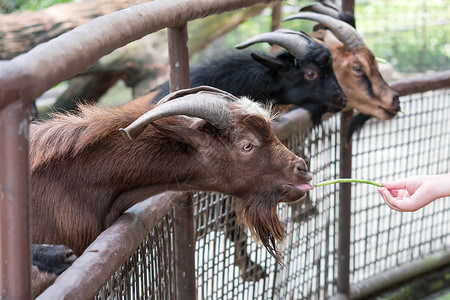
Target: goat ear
(191, 136)
(330, 39)
(270, 61)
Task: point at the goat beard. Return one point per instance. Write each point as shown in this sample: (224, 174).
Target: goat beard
(261, 217)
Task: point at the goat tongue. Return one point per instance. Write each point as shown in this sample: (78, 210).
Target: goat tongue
(304, 187)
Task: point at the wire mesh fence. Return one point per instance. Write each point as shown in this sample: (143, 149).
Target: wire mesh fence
(416, 143)
(230, 265)
(148, 273)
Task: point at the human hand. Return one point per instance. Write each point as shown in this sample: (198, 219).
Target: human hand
(413, 193)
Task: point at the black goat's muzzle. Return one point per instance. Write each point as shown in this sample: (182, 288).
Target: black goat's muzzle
(338, 102)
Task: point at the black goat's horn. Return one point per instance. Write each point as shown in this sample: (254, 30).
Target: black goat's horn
(293, 41)
(206, 103)
(199, 89)
(321, 9)
(344, 32)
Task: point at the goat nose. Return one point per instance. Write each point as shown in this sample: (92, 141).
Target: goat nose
(302, 169)
(396, 102)
(339, 101)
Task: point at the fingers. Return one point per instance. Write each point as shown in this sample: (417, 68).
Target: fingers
(398, 200)
(388, 198)
(398, 184)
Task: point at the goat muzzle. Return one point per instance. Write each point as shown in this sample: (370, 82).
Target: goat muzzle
(338, 102)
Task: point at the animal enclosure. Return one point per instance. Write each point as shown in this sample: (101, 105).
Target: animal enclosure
(379, 239)
(382, 240)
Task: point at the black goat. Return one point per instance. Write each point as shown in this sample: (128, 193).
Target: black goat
(48, 262)
(301, 76)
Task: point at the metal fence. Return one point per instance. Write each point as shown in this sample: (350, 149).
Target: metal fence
(148, 273)
(228, 263)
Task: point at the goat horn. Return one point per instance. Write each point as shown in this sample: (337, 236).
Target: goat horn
(293, 41)
(199, 89)
(207, 103)
(344, 32)
(321, 9)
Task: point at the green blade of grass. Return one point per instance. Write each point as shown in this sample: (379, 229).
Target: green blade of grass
(380, 60)
(348, 180)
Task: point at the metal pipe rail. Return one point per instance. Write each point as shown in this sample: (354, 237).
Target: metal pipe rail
(400, 274)
(422, 83)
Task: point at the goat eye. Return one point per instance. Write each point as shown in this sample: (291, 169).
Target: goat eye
(247, 147)
(357, 69)
(310, 75)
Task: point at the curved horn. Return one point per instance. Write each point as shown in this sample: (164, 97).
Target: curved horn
(206, 103)
(344, 32)
(293, 41)
(199, 89)
(321, 9)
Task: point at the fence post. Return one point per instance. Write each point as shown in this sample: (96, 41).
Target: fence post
(345, 171)
(345, 193)
(276, 23)
(184, 234)
(15, 245)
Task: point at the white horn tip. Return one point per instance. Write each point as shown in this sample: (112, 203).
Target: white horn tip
(125, 134)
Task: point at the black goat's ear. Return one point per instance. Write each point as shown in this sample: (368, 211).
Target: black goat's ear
(270, 61)
(191, 136)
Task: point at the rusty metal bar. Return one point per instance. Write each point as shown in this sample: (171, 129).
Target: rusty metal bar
(276, 16)
(345, 194)
(29, 75)
(184, 232)
(111, 248)
(184, 244)
(422, 83)
(276, 23)
(15, 247)
(402, 273)
(178, 58)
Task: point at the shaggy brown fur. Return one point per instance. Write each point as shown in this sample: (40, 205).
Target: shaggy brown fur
(41, 281)
(84, 174)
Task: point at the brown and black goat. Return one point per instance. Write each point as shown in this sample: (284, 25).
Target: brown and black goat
(84, 174)
(355, 67)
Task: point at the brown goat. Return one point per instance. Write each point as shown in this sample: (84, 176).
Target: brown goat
(355, 67)
(84, 174)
